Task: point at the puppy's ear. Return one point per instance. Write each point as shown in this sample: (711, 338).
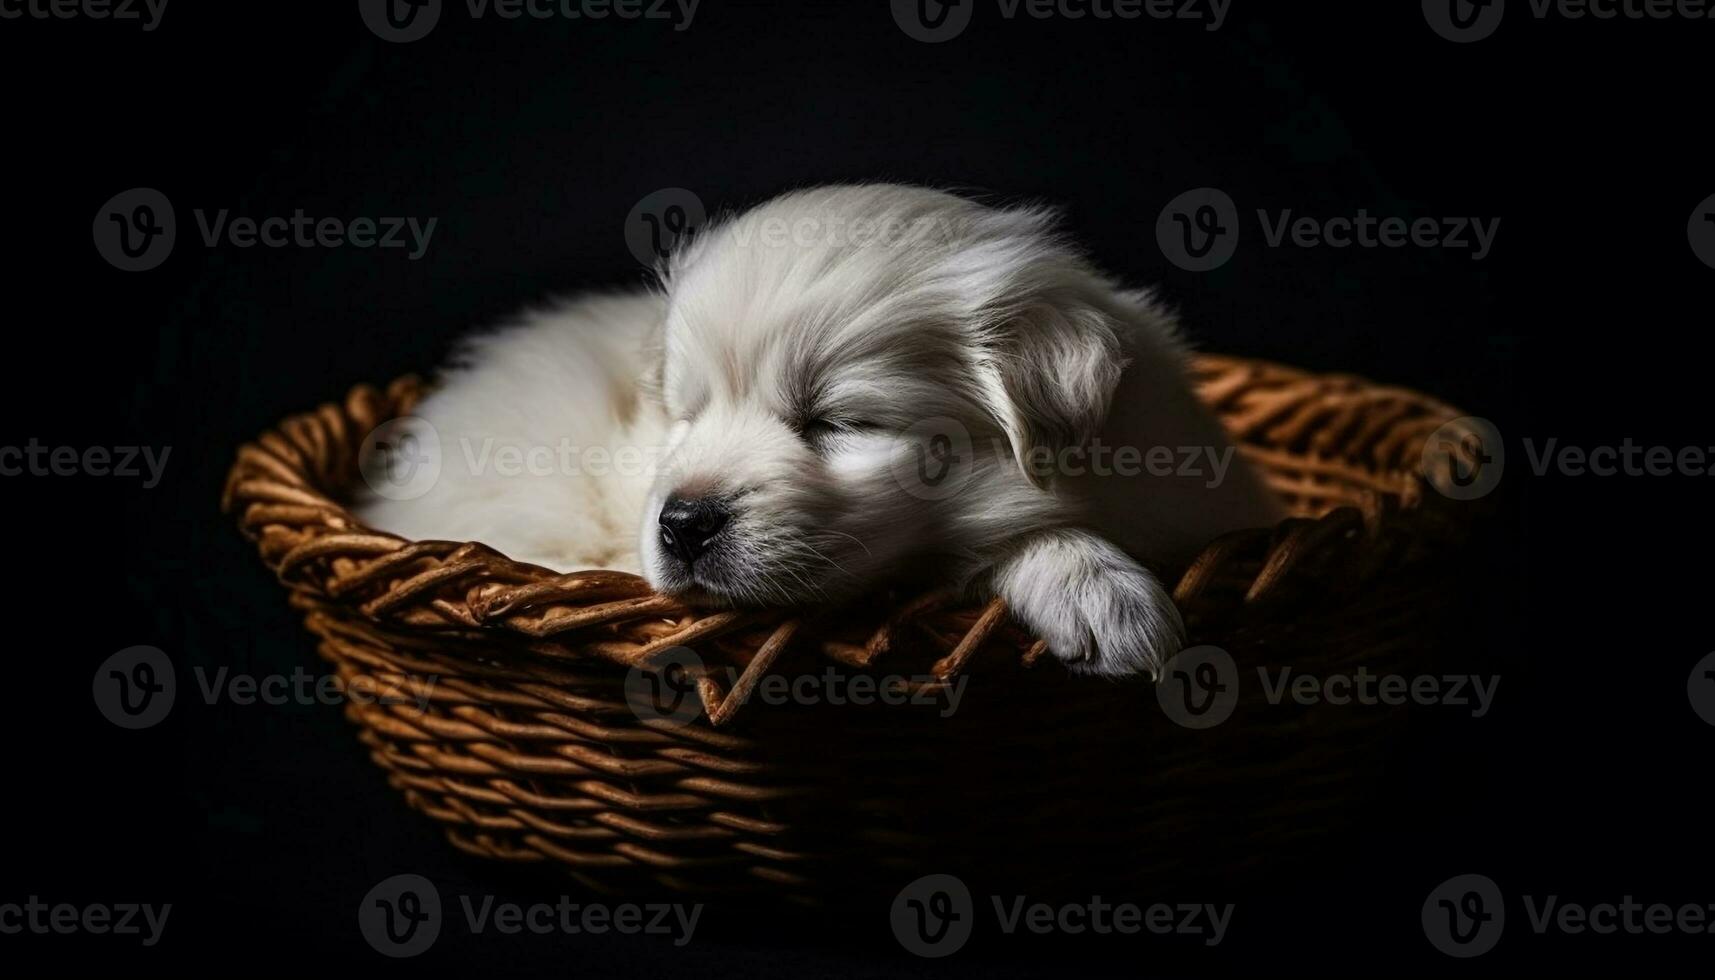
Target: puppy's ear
(1052, 368)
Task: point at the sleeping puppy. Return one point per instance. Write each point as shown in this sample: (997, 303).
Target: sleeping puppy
(839, 387)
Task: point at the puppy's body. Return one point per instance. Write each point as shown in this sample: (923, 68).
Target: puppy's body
(529, 423)
(953, 389)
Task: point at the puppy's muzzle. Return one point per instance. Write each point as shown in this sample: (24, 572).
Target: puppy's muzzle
(689, 527)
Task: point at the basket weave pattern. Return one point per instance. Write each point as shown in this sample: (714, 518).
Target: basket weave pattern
(529, 751)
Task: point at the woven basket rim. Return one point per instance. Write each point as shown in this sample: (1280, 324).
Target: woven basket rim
(283, 489)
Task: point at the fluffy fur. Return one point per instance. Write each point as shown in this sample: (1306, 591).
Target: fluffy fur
(807, 364)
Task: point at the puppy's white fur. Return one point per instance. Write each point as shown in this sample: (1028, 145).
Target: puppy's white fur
(796, 367)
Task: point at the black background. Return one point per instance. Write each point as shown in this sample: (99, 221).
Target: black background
(530, 141)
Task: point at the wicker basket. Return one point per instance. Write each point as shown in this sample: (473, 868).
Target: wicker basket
(532, 748)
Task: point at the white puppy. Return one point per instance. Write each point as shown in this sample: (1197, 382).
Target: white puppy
(843, 387)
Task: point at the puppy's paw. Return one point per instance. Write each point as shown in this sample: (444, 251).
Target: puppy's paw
(1099, 611)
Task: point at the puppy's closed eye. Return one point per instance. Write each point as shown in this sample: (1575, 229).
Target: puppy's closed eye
(820, 429)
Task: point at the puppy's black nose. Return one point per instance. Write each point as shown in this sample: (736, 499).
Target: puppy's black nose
(687, 526)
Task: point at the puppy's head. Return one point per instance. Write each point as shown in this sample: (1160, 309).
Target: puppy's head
(859, 378)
